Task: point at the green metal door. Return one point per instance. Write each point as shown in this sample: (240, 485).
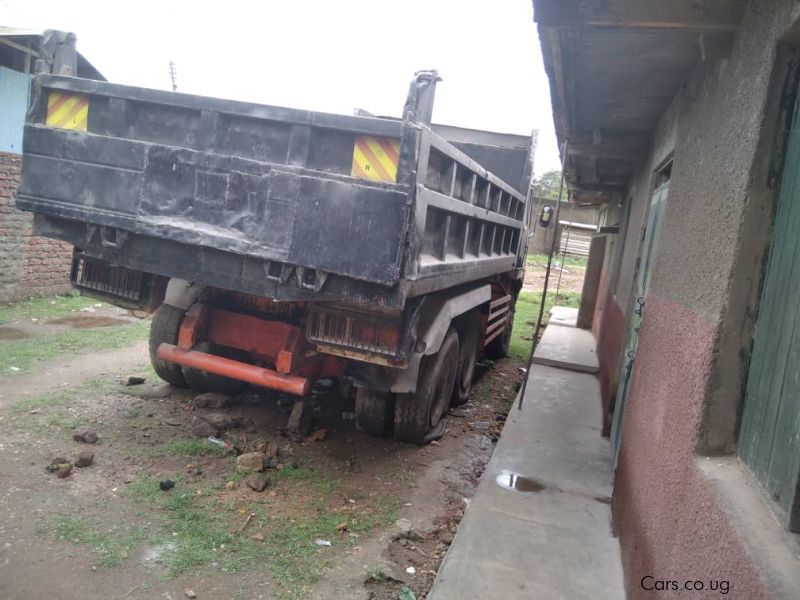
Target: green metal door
(646, 259)
(769, 434)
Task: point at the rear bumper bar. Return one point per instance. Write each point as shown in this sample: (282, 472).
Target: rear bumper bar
(299, 386)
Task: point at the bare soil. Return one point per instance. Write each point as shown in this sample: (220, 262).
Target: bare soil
(99, 533)
(571, 279)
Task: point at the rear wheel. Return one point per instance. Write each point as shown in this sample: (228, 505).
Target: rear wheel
(467, 357)
(203, 381)
(418, 416)
(374, 412)
(164, 330)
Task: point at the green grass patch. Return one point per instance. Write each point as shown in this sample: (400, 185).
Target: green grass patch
(527, 313)
(44, 307)
(24, 354)
(202, 528)
(540, 261)
(111, 545)
(193, 447)
(37, 403)
(56, 409)
(89, 389)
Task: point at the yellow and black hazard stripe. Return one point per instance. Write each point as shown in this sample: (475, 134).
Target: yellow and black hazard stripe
(375, 158)
(67, 111)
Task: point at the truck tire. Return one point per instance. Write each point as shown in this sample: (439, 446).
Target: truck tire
(164, 330)
(467, 357)
(499, 346)
(418, 415)
(203, 381)
(374, 412)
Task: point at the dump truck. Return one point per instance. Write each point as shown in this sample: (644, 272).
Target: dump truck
(282, 248)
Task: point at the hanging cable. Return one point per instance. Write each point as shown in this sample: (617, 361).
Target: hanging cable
(546, 281)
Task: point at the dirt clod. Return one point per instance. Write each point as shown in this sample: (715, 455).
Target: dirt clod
(221, 421)
(211, 400)
(201, 428)
(84, 458)
(257, 482)
(64, 470)
(404, 525)
(87, 435)
(189, 593)
(318, 435)
(133, 380)
(272, 450)
(166, 485)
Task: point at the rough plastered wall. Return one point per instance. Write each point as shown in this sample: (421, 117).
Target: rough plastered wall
(618, 294)
(670, 522)
(608, 324)
(29, 265)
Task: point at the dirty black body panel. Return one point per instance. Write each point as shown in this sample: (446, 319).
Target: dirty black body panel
(262, 199)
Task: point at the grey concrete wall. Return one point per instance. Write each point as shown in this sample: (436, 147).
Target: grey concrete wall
(542, 238)
(591, 281)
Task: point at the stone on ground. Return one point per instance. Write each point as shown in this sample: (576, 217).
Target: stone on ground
(211, 400)
(84, 458)
(250, 462)
(87, 435)
(257, 482)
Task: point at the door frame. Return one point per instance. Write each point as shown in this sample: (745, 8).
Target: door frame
(645, 261)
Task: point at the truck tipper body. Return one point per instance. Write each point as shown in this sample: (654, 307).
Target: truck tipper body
(278, 247)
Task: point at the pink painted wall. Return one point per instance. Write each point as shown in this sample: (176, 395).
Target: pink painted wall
(610, 343)
(666, 514)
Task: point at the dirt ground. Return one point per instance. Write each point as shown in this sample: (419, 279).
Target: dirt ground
(571, 279)
(343, 515)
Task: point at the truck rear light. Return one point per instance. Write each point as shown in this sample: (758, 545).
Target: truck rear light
(375, 334)
(354, 331)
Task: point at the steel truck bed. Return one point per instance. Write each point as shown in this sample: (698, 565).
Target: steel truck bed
(289, 204)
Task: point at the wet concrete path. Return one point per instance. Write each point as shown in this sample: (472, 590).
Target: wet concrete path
(539, 525)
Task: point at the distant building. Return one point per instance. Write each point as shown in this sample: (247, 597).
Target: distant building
(29, 265)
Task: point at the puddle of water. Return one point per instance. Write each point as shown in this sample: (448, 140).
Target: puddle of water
(519, 483)
(83, 322)
(11, 333)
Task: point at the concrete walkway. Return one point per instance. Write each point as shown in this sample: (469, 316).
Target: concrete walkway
(539, 524)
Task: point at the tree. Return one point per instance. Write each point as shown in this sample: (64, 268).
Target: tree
(547, 185)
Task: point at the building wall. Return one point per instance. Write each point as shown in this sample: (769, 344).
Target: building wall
(543, 238)
(723, 128)
(611, 342)
(29, 265)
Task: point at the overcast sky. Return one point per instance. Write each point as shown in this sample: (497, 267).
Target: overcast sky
(322, 55)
